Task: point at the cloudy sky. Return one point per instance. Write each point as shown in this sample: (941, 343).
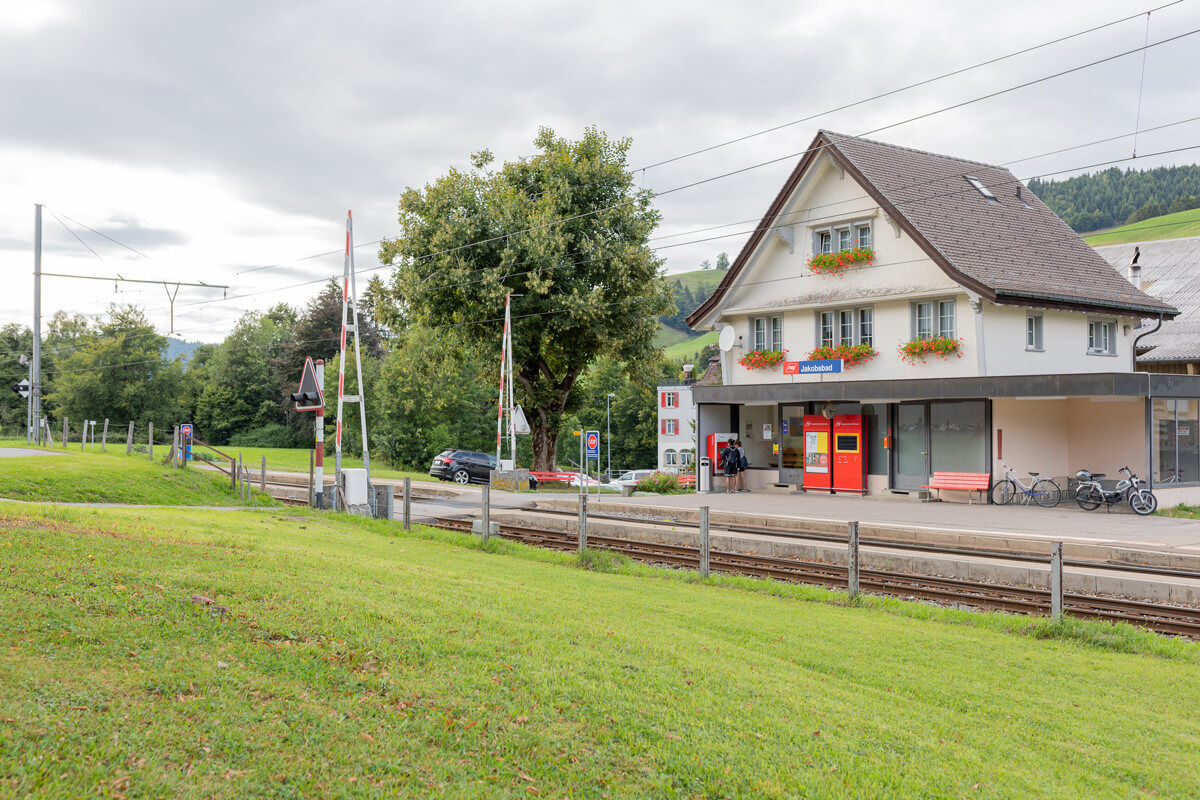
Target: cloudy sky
(217, 137)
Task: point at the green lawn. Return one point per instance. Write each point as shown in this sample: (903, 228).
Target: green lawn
(296, 460)
(427, 666)
(112, 477)
(1168, 226)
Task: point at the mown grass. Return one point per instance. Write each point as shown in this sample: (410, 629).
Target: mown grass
(70, 476)
(429, 666)
(296, 460)
(1168, 226)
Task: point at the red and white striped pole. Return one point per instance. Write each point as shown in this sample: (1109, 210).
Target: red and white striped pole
(319, 445)
(503, 366)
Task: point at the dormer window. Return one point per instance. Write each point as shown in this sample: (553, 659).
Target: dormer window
(979, 187)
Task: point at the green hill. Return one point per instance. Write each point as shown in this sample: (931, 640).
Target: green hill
(706, 279)
(677, 344)
(1168, 226)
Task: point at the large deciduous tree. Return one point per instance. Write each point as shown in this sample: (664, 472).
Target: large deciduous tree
(565, 232)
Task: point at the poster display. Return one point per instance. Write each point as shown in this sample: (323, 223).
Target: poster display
(817, 438)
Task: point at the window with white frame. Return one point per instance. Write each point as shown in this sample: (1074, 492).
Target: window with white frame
(848, 326)
(670, 400)
(1033, 331)
(825, 323)
(1102, 337)
(933, 318)
(685, 458)
(670, 458)
(866, 326)
(842, 237)
(768, 333)
(670, 427)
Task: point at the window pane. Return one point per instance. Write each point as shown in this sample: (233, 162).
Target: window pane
(1092, 338)
(1110, 337)
(957, 437)
(826, 240)
(760, 334)
(776, 333)
(946, 319)
(924, 320)
(864, 236)
(866, 326)
(1163, 455)
(1187, 441)
(846, 327)
(844, 239)
(826, 328)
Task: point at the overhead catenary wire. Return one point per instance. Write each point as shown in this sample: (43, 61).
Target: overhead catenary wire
(1016, 245)
(758, 165)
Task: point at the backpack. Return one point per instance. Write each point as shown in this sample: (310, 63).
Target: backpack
(728, 453)
(745, 462)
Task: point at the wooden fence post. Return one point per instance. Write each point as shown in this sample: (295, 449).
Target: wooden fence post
(1056, 581)
(262, 480)
(582, 518)
(64, 433)
(852, 573)
(83, 439)
(150, 439)
(174, 446)
(233, 476)
(486, 500)
(704, 553)
(129, 439)
(104, 436)
(407, 503)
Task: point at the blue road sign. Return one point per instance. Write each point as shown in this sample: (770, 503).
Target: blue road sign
(185, 431)
(823, 366)
(593, 444)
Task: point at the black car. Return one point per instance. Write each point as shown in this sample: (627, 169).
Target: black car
(463, 466)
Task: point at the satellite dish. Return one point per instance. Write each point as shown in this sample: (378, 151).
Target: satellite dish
(725, 339)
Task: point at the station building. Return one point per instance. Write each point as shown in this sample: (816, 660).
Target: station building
(973, 329)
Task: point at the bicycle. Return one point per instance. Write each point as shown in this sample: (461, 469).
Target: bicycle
(1045, 492)
(1172, 477)
(1090, 494)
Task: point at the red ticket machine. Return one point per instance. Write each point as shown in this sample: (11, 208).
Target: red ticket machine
(716, 443)
(849, 454)
(817, 474)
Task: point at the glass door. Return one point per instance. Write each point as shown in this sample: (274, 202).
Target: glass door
(912, 446)
(791, 444)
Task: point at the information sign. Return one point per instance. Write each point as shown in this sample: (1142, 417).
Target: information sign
(593, 444)
(828, 366)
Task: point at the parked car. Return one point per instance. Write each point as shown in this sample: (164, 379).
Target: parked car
(463, 466)
(632, 477)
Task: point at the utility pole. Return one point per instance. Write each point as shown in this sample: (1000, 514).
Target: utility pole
(350, 323)
(318, 498)
(35, 369)
(608, 431)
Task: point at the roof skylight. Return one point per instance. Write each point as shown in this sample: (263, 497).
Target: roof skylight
(983, 190)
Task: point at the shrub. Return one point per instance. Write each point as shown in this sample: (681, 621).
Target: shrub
(661, 483)
(270, 435)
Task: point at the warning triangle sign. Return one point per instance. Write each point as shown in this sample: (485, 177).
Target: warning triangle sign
(309, 396)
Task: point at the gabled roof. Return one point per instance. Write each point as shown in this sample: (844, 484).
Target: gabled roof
(1170, 272)
(1008, 250)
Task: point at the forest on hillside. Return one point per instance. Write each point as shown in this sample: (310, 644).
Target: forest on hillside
(1091, 202)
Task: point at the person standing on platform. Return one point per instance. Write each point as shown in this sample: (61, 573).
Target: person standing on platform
(730, 459)
(742, 464)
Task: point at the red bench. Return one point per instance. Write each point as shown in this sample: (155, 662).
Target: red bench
(960, 482)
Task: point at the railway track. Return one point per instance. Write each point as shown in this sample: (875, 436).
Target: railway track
(1167, 619)
(894, 544)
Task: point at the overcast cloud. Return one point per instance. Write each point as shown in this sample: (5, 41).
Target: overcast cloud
(219, 136)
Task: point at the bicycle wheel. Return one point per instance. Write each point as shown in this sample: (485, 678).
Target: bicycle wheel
(1046, 493)
(1088, 497)
(1004, 492)
(1143, 502)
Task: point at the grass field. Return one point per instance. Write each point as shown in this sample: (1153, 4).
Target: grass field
(112, 477)
(1168, 226)
(706, 279)
(427, 666)
(296, 460)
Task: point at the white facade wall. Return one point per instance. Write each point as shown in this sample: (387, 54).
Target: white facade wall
(685, 437)
(777, 282)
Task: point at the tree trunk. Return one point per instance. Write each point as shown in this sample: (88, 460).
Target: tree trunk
(545, 444)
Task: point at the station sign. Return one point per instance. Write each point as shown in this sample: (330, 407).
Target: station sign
(593, 444)
(826, 366)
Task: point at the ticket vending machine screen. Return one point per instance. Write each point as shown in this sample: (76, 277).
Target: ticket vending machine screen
(849, 454)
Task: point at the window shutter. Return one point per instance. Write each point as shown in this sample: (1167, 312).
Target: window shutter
(663, 427)
(662, 399)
